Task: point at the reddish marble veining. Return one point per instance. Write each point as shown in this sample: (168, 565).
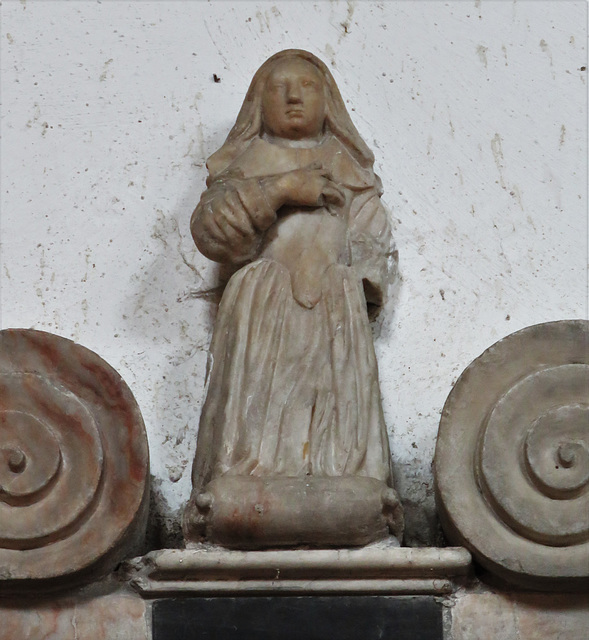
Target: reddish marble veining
(118, 399)
(103, 445)
(118, 616)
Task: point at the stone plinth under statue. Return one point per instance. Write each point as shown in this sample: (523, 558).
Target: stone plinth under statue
(380, 568)
(292, 445)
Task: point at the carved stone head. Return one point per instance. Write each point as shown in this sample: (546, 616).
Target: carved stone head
(266, 104)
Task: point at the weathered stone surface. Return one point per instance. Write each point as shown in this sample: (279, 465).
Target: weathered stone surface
(489, 616)
(378, 568)
(512, 457)
(118, 616)
(248, 512)
(293, 207)
(73, 462)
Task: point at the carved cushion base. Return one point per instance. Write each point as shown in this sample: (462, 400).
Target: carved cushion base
(245, 512)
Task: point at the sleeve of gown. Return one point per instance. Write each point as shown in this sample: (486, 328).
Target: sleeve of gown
(228, 223)
(372, 246)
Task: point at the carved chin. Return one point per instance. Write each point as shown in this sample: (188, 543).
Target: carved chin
(297, 128)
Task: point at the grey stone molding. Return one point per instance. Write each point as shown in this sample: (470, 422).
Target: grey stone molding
(378, 568)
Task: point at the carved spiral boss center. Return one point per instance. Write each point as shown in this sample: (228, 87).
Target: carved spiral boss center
(17, 460)
(30, 457)
(556, 451)
(566, 454)
(44, 461)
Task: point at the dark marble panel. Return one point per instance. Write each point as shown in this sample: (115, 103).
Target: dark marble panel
(298, 618)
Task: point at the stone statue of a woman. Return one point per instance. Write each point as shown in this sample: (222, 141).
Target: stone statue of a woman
(292, 446)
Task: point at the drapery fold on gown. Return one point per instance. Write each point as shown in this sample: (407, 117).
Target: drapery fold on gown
(292, 390)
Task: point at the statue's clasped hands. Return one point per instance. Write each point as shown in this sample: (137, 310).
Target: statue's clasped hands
(311, 186)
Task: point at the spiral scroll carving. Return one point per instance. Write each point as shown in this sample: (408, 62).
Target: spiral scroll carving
(73, 462)
(512, 458)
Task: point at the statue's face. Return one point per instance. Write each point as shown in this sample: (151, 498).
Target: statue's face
(293, 102)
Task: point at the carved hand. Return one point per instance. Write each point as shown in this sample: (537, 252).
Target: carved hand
(311, 186)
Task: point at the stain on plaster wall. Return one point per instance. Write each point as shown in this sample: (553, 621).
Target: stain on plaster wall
(482, 54)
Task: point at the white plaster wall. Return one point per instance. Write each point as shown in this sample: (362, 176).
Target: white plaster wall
(476, 112)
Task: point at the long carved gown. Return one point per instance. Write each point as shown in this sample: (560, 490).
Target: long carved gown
(292, 380)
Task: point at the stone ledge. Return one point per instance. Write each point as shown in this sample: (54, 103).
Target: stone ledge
(375, 569)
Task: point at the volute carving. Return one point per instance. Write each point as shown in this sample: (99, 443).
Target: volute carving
(512, 457)
(73, 463)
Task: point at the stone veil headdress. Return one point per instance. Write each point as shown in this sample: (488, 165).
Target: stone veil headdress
(249, 121)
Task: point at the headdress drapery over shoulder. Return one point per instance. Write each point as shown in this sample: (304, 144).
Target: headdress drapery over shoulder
(249, 121)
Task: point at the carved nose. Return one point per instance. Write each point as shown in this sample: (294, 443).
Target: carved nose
(293, 94)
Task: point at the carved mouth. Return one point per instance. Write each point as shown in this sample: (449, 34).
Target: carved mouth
(295, 112)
